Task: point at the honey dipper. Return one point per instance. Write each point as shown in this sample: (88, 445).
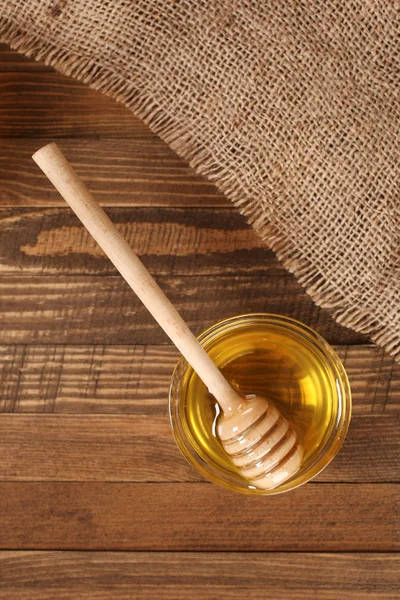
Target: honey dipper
(258, 439)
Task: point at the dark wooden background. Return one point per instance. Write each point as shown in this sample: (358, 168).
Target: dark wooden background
(95, 500)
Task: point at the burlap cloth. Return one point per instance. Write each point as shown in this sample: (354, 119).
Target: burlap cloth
(291, 108)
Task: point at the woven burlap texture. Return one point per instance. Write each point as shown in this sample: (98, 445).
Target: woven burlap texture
(291, 108)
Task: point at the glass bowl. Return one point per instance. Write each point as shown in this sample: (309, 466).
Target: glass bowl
(280, 359)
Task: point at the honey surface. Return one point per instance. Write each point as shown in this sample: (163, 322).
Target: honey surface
(273, 363)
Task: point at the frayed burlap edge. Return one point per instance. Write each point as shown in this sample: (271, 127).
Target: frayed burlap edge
(104, 80)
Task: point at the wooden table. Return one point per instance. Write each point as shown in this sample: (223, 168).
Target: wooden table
(95, 500)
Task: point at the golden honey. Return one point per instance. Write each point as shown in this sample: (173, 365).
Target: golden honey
(280, 359)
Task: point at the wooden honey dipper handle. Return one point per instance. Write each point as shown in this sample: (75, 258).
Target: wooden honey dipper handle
(61, 174)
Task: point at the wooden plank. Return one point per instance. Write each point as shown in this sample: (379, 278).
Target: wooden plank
(96, 448)
(232, 576)
(90, 309)
(172, 242)
(135, 379)
(140, 448)
(370, 452)
(39, 104)
(374, 379)
(134, 171)
(13, 62)
(85, 379)
(197, 517)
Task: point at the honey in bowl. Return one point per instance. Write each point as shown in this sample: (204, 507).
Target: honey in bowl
(277, 358)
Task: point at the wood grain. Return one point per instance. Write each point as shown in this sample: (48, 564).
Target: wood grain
(12, 62)
(232, 576)
(137, 171)
(90, 309)
(96, 448)
(85, 379)
(172, 242)
(135, 379)
(140, 448)
(198, 517)
(42, 104)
